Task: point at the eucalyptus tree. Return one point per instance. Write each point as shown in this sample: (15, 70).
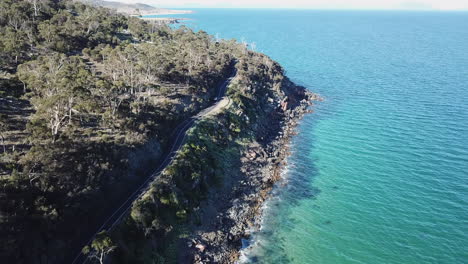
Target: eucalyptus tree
(59, 85)
(37, 6)
(101, 246)
(3, 129)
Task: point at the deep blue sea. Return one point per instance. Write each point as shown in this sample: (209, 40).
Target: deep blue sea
(379, 173)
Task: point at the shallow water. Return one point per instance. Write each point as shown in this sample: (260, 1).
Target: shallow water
(379, 174)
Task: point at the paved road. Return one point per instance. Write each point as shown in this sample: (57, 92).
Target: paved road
(179, 134)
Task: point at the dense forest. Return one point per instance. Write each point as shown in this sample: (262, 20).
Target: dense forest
(88, 101)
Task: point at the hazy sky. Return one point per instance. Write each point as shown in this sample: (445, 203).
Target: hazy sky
(315, 4)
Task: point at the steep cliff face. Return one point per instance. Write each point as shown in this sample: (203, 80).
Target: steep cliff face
(203, 203)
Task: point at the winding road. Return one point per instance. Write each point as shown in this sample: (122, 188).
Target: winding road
(179, 134)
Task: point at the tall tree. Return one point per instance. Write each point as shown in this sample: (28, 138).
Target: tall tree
(60, 84)
(37, 6)
(3, 129)
(101, 246)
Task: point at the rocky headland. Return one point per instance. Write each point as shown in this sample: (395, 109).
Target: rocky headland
(240, 205)
(216, 185)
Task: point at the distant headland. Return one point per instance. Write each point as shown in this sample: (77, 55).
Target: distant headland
(136, 9)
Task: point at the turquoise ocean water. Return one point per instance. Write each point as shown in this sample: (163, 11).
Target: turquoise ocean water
(379, 174)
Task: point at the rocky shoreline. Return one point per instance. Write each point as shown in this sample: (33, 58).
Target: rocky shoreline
(240, 204)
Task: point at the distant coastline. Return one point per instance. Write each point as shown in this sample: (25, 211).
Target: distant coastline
(164, 12)
(135, 10)
(168, 20)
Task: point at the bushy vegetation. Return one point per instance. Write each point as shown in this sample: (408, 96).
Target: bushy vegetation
(85, 94)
